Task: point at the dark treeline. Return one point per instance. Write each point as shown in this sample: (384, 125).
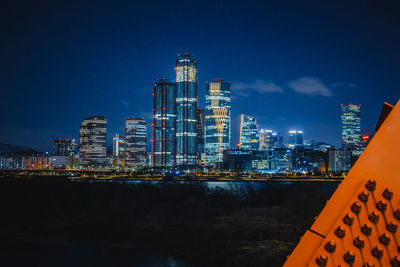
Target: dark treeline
(240, 226)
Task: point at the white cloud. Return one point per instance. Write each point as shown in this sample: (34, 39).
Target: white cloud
(125, 103)
(310, 86)
(339, 84)
(242, 89)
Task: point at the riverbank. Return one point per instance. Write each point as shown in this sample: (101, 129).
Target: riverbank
(240, 225)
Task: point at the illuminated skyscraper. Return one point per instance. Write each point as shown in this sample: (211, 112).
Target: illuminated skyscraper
(163, 136)
(218, 120)
(186, 105)
(295, 139)
(351, 128)
(93, 142)
(270, 139)
(200, 129)
(249, 133)
(64, 147)
(135, 142)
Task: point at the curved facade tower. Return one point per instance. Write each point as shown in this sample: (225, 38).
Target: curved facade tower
(218, 120)
(186, 105)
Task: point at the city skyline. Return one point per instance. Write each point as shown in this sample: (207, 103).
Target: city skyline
(200, 133)
(189, 72)
(285, 70)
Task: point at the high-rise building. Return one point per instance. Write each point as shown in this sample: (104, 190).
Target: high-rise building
(270, 139)
(163, 126)
(116, 140)
(277, 140)
(64, 147)
(118, 150)
(93, 142)
(339, 160)
(186, 105)
(218, 120)
(295, 139)
(249, 133)
(351, 128)
(265, 139)
(135, 143)
(281, 160)
(200, 129)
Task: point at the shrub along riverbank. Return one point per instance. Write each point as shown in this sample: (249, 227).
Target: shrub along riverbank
(243, 225)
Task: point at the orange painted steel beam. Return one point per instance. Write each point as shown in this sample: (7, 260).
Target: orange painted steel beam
(349, 231)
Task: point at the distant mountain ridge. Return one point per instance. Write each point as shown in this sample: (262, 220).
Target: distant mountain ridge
(7, 149)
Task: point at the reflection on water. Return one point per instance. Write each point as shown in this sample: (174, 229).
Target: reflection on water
(233, 186)
(244, 186)
(60, 256)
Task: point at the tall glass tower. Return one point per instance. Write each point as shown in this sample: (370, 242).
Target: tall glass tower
(163, 136)
(135, 142)
(186, 105)
(218, 119)
(93, 142)
(249, 133)
(351, 128)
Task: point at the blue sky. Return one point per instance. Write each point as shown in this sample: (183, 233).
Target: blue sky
(291, 63)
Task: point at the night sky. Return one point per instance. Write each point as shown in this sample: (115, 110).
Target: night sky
(291, 63)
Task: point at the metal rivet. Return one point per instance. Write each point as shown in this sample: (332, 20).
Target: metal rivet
(356, 207)
(377, 252)
(381, 206)
(330, 246)
(340, 232)
(384, 239)
(363, 196)
(371, 185)
(349, 257)
(322, 260)
(366, 229)
(387, 194)
(395, 262)
(359, 242)
(391, 227)
(348, 219)
(396, 214)
(374, 217)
